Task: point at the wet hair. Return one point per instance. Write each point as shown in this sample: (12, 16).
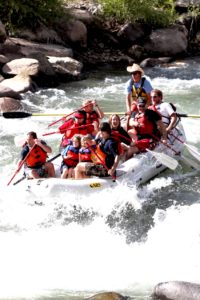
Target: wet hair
(105, 126)
(33, 134)
(111, 117)
(157, 92)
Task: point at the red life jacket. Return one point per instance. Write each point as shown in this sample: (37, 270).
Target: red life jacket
(85, 155)
(92, 117)
(116, 136)
(37, 157)
(72, 156)
(76, 129)
(146, 127)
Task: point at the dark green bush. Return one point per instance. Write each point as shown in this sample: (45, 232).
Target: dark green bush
(29, 13)
(158, 13)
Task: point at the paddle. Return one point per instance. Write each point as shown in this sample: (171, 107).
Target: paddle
(165, 159)
(23, 114)
(20, 165)
(192, 149)
(71, 128)
(188, 116)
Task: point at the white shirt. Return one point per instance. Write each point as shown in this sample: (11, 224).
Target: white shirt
(166, 110)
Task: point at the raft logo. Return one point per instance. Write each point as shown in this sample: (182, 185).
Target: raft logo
(95, 185)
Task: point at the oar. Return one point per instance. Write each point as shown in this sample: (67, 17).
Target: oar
(165, 159)
(20, 166)
(71, 128)
(192, 149)
(23, 114)
(188, 116)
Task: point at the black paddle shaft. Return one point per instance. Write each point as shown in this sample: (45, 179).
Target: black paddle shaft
(15, 114)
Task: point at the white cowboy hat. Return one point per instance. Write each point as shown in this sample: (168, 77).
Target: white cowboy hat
(135, 68)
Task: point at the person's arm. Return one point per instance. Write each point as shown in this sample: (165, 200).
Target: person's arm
(162, 129)
(173, 120)
(98, 110)
(43, 145)
(112, 170)
(128, 103)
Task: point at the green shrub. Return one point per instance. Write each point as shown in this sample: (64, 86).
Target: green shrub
(29, 13)
(158, 13)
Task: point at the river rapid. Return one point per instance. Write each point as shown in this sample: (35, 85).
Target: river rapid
(127, 239)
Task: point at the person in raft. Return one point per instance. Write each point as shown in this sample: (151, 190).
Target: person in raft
(147, 128)
(75, 125)
(105, 158)
(35, 151)
(94, 113)
(137, 86)
(85, 152)
(70, 156)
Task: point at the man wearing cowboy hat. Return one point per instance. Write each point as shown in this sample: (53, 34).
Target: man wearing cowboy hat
(137, 86)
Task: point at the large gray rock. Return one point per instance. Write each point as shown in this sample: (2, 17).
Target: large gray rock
(176, 290)
(66, 65)
(10, 104)
(73, 32)
(21, 47)
(16, 66)
(8, 92)
(20, 83)
(108, 296)
(168, 42)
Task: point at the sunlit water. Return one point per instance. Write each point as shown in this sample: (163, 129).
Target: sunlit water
(126, 239)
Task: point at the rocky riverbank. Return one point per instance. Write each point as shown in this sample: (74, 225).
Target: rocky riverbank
(75, 45)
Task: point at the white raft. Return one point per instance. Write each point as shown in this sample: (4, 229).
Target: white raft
(137, 170)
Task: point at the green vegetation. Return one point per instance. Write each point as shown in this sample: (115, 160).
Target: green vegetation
(157, 13)
(31, 13)
(28, 13)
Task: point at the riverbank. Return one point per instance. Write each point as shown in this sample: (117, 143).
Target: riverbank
(73, 47)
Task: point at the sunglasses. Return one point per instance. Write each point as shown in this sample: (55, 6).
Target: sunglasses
(141, 105)
(154, 96)
(135, 73)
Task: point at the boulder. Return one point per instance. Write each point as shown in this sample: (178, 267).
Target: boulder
(73, 32)
(17, 66)
(8, 92)
(176, 290)
(24, 48)
(108, 296)
(66, 65)
(168, 42)
(20, 83)
(10, 104)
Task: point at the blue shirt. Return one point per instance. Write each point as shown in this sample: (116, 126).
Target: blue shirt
(146, 86)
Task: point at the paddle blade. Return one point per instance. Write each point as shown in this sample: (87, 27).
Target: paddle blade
(15, 114)
(165, 159)
(193, 151)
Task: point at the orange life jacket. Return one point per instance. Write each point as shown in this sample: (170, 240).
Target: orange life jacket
(37, 157)
(72, 156)
(85, 155)
(98, 156)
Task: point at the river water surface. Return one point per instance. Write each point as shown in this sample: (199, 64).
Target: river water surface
(126, 239)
